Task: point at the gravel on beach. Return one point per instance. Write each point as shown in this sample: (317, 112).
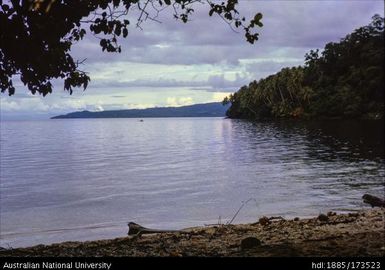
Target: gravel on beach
(360, 233)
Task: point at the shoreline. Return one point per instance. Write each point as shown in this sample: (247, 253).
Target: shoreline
(354, 234)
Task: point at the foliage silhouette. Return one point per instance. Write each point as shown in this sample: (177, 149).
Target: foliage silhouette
(37, 35)
(346, 80)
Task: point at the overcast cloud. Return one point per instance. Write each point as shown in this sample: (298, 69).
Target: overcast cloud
(174, 64)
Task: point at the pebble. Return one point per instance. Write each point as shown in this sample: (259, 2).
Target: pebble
(264, 221)
(250, 242)
(323, 217)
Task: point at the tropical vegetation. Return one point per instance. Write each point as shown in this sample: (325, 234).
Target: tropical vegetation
(344, 80)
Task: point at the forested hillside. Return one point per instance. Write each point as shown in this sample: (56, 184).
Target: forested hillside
(344, 80)
(213, 109)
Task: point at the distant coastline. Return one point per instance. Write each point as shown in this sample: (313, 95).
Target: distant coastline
(214, 109)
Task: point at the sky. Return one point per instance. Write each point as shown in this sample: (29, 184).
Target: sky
(174, 64)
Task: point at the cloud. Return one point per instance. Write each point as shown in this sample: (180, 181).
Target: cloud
(219, 96)
(22, 104)
(8, 105)
(221, 84)
(208, 40)
(99, 108)
(49, 104)
(181, 101)
(265, 67)
(220, 81)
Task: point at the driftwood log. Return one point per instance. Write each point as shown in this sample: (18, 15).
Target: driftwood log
(373, 200)
(136, 229)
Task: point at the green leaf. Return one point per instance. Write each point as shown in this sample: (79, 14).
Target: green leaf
(5, 7)
(257, 17)
(85, 84)
(117, 31)
(103, 43)
(168, 2)
(228, 16)
(125, 32)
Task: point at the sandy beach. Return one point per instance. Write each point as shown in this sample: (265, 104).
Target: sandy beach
(355, 234)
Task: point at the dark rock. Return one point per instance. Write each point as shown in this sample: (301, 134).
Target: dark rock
(250, 242)
(323, 218)
(296, 219)
(331, 214)
(264, 221)
(373, 200)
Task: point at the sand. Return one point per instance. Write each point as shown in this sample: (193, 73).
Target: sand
(355, 234)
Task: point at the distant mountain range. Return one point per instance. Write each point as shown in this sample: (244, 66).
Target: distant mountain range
(214, 109)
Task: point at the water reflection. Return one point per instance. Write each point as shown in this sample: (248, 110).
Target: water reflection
(331, 163)
(344, 139)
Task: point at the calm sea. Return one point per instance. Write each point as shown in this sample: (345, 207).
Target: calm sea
(84, 179)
